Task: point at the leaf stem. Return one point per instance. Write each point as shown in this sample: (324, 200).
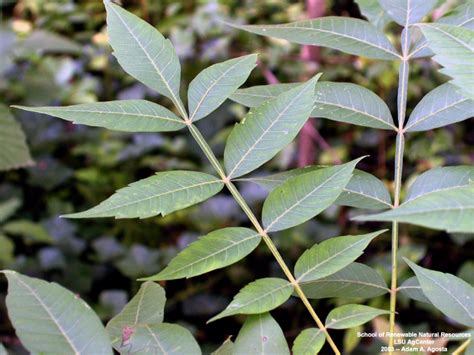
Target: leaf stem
(399, 151)
(271, 246)
(462, 347)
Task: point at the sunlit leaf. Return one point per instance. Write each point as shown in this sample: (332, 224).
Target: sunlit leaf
(267, 129)
(143, 52)
(215, 250)
(407, 12)
(213, 85)
(31, 232)
(302, 197)
(259, 296)
(309, 342)
(353, 281)
(146, 307)
(346, 34)
(331, 256)
(450, 294)
(442, 106)
(121, 115)
(14, 152)
(352, 315)
(162, 194)
(261, 334)
(49, 319)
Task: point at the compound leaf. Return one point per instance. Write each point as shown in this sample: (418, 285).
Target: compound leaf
(440, 107)
(211, 87)
(259, 296)
(49, 319)
(162, 339)
(331, 256)
(353, 281)
(143, 52)
(309, 342)
(14, 152)
(352, 315)
(267, 129)
(302, 197)
(162, 193)
(346, 34)
(261, 334)
(450, 294)
(121, 115)
(146, 307)
(215, 250)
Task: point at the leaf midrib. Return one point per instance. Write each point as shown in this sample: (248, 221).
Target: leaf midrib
(425, 117)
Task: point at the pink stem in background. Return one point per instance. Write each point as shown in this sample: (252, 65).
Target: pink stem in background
(307, 137)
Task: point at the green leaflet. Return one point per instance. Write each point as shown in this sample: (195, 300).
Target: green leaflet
(411, 288)
(227, 348)
(449, 209)
(302, 197)
(162, 339)
(259, 296)
(331, 256)
(261, 334)
(309, 342)
(351, 103)
(143, 52)
(353, 281)
(162, 194)
(215, 250)
(31, 232)
(407, 12)
(346, 34)
(362, 191)
(462, 15)
(450, 294)
(121, 115)
(343, 102)
(146, 307)
(352, 315)
(440, 107)
(372, 10)
(267, 129)
(454, 50)
(8, 208)
(14, 152)
(45, 325)
(211, 87)
(440, 178)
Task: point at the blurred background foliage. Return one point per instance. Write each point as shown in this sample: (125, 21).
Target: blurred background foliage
(56, 53)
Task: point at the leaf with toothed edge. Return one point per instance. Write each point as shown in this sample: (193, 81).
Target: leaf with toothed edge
(121, 115)
(346, 34)
(259, 296)
(211, 87)
(267, 129)
(331, 256)
(143, 52)
(302, 197)
(448, 293)
(215, 250)
(162, 193)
